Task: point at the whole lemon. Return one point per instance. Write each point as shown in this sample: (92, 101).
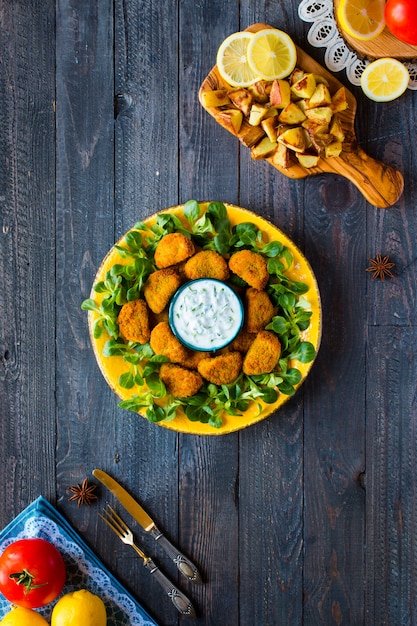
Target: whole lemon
(79, 608)
(23, 617)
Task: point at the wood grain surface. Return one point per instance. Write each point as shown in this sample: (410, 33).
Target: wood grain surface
(306, 518)
(384, 45)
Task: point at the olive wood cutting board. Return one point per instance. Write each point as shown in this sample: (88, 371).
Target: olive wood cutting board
(385, 45)
(380, 184)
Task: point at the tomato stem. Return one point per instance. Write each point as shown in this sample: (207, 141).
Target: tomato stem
(25, 578)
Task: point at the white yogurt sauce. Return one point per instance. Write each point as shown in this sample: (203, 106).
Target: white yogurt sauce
(206, 314)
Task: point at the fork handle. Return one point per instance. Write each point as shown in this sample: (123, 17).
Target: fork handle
(178, 599)
(185, 566)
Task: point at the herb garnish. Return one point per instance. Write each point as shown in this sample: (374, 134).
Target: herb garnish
(209, 230)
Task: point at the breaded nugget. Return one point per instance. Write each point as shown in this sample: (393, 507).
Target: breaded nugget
(155, 318)
(164, 342)
(222, 369)
(133, 321)
(243, 342)
(263, 354)
(250, 267)
(194, 359)
(259, 310)
(159, 288)
(172, 249)
(180, 382)
(207, 264)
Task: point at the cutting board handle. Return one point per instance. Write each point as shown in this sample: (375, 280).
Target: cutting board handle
(381, 184)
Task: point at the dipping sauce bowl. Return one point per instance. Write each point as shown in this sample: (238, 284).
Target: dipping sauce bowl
(206, 314)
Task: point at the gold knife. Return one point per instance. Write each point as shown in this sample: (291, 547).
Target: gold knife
(185, 566)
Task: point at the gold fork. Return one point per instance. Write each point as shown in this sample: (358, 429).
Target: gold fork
(122, 530)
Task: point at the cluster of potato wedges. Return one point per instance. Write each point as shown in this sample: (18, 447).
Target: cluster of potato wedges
(278, 119)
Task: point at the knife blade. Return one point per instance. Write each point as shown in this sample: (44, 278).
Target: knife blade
(185, 566)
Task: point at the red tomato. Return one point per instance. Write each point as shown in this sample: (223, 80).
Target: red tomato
(401, 19)
(32, 573)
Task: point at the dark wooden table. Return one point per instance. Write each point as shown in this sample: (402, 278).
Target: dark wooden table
(308, 517)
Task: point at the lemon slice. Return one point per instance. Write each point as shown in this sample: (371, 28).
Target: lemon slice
(362, 19)
(232, 60)
(384, 79)
(272, 54)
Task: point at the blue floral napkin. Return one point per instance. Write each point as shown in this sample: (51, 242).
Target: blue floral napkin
(84, 569)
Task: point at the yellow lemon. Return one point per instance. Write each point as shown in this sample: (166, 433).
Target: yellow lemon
(232, 60)
(362, 19)
(384, 79)
(79, 608)
(272, 54)
(23, 617)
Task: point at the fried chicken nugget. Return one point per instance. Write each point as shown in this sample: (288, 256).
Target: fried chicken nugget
(194, 359)
(172, 249)
(263, 354)
(222, 369)
(250, 267)
(243, 342)
(259, 310)
(180, 382)
(159, 288)
(207, 264)
(155, 318)
(164, 342)
(133, 321)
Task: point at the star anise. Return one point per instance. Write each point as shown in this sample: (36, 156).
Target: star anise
(380, 267)
(83, 493)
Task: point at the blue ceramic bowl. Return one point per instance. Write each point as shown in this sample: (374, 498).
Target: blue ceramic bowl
(206, 314)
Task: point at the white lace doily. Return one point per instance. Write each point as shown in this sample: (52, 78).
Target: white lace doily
(325, 34)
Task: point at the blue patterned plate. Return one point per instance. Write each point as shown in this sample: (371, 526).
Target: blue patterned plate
(84, 569)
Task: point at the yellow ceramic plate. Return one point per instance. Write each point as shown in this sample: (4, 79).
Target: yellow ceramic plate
(113, 367)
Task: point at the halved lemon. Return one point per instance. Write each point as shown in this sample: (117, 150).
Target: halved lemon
(272, 54)
(384, 79)
(362, 19)
(232, 60)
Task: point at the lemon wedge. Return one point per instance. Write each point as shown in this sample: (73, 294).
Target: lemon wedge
(362, 19)
(272, 54)
(384, 79)
(232, 60)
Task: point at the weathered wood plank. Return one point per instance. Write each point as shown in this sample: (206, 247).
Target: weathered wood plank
(392, 233)
(85, 231)
(271, 515)
(271, 454)
(209, 155)
(335, 413)
(147, 94)
(209, 467)
(391, 488)
(146, 181)
(27, 254)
